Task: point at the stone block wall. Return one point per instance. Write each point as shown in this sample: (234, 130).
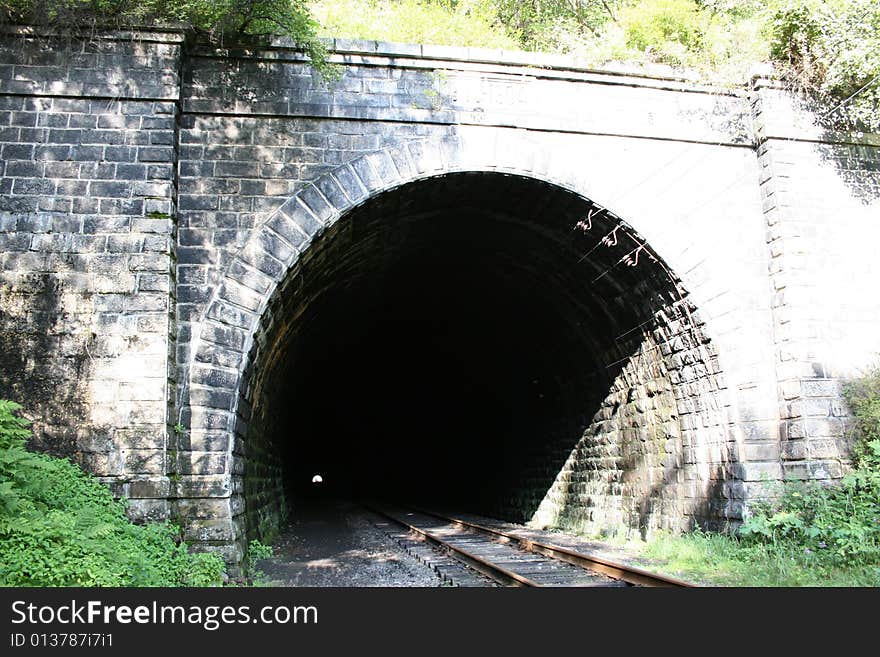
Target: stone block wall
(87, 193)
(660, 452)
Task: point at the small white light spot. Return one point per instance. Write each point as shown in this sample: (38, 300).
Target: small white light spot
(317, 479)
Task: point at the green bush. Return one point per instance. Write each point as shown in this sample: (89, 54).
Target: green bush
(670, 29)
(61, 527)
(863, 397)
(553, 24)
(466, 23)
(255, 552)
(831, 49)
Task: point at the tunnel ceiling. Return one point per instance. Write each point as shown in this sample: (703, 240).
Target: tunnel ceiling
(447, 340)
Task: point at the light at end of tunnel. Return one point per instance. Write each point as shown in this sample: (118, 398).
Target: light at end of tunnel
(317, 479)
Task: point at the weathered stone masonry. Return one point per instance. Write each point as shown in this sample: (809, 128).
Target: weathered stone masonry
(176, 224)
(87, 240)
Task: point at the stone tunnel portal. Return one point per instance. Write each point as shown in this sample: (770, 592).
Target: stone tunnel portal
(491, 343)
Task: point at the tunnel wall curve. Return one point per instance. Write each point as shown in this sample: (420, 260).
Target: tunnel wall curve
(660, 450)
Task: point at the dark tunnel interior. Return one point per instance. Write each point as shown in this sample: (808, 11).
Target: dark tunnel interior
(448, 343)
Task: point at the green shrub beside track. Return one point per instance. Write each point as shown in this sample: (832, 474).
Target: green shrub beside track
(61, 527)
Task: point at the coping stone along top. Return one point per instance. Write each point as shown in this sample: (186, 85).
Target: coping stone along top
(492, 56)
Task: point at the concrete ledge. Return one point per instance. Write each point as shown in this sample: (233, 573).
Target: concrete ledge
(495, 56)
(378, 53)
(170, 33)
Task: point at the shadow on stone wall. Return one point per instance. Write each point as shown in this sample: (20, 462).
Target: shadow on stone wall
(656, 453)
(37, 368)
(857, 163)
(847, 145)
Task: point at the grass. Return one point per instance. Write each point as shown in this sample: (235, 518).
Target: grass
(721, 560)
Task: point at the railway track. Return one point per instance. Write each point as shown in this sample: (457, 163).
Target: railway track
(506, 559)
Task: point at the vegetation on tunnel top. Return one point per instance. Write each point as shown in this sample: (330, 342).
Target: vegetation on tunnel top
(827, 48)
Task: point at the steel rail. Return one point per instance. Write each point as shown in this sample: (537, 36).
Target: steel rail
(629, 574)
(491, 570)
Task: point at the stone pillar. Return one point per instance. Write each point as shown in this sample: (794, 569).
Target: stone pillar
(820, 188)
(86, 248)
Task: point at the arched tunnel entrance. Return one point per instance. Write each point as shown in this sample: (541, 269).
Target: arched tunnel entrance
(490, 343)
